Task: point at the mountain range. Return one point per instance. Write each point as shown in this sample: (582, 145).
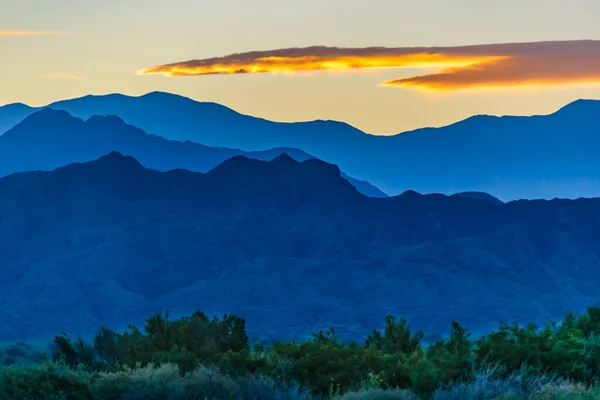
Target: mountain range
(291, 246)
(48, 139)
(510, 157)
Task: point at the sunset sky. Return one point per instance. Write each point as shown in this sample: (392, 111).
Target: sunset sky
(384, 66)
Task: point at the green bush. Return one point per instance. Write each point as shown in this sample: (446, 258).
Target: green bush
(47, 380)
(200, 358)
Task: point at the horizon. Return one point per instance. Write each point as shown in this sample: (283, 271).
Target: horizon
(407, 67)
(48, 105)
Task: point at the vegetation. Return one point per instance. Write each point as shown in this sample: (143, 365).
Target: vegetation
(200, 358)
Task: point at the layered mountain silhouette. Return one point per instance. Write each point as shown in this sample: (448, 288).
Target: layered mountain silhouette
(511, 157)
(291, 246)
(48, 139)
(12, 114)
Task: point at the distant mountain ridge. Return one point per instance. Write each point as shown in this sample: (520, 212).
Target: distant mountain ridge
(48, 139)
(479, 196)
(12, 114)
(291, 246)
(512, 157)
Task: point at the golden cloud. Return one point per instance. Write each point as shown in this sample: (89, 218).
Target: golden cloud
(65, 76)
(462, 67)
(29, 33)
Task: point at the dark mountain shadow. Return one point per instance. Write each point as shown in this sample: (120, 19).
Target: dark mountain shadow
(291, 246)
(51, 138)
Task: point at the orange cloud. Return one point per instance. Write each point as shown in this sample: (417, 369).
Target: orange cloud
(463, 67)
(65, 76)
(29, 33)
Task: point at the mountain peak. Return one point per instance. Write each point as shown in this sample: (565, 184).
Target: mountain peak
(50, 113)
(44, 118)
(176, 102)
(16, 106)
(56, 125)
(580, 107)
(117, 158)
(284, 172)
(106, 119)
(284, 158)
(163, 95)
(113, 155)
(410, 193)
(479, 196)
(113, 163)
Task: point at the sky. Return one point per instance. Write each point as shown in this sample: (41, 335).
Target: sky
(365, 70)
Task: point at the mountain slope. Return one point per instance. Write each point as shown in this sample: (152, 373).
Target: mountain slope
(293, 247)
(479, 196)
(363, 187)
(511, 157)
(12, 114)
(49, 139)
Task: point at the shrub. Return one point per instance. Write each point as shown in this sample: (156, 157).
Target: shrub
(197, 357)
(48, 380)
(379, 394)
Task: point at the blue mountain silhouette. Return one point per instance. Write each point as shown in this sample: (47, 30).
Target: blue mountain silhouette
(511, 157)
(48, 139)
(291, 246)
(12, 114)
